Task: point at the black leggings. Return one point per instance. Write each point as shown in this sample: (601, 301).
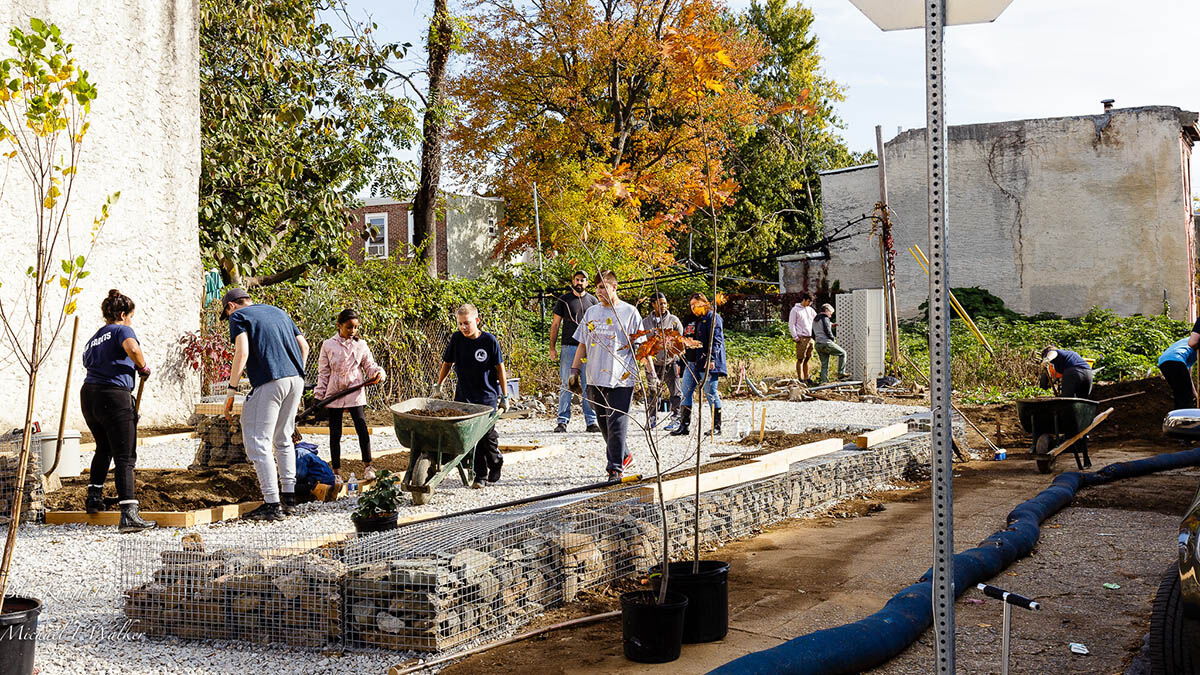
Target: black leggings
(110, 417)
(335, 434)
(1180, 379)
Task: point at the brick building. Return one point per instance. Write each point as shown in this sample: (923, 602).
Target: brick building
(465, 236)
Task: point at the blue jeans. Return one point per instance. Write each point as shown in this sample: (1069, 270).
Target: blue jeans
(689, 386)
(565, 357)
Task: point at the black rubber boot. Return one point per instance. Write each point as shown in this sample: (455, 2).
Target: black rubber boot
(288, 507)
(131, 521)
(265, 512)
(717, 422)
(95, 499)
(685, 421)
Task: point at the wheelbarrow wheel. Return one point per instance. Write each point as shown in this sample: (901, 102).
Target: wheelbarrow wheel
(420, 475)
(1041, 450)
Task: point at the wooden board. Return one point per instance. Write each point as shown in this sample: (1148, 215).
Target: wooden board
(533, 455)
(324, 431)
(516, 447)
(164, 518)
(217, 409)
(807, 451)
(715, 480)
(877, 436)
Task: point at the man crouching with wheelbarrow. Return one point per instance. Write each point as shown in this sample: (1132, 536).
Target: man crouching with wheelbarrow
(479, 367)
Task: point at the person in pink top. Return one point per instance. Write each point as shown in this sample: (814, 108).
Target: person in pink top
(346, 361)
(800, 322)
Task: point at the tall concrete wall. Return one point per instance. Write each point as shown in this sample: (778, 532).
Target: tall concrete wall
(1051, 215)
(144, 141)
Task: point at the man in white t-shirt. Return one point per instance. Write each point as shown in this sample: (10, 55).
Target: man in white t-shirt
(800, 322)
(608, 351)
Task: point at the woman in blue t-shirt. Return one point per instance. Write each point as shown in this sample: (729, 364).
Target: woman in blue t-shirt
(111, 357)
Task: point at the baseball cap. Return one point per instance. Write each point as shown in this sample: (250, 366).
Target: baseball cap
(232, 295)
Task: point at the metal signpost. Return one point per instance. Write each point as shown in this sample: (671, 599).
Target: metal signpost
(935, 15)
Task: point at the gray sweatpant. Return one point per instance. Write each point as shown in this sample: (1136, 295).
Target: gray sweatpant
(268, 420)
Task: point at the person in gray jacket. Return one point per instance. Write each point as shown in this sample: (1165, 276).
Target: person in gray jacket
(665, 363)
(822, 331)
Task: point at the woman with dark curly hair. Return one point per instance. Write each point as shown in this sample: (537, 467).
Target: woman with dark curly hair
(111, 357)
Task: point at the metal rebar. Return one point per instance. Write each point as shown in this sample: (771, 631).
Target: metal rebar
(1004, 639)
(941, 456)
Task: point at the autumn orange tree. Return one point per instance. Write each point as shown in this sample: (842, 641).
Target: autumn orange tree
(579, 97)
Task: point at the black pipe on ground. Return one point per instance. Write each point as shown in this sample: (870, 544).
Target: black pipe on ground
(873, 641)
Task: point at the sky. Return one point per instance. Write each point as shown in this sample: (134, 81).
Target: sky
(1041, 58)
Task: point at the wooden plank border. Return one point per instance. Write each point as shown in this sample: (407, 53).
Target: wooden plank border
(164, 518)
(877, 436)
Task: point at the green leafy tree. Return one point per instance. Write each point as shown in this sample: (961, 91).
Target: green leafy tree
(296, 118)
(45, 101)
(776, 161)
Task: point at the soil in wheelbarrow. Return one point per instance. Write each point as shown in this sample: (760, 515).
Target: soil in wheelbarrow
(444, 412)
(1135, 418)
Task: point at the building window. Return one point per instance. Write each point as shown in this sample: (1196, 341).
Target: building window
(377, 235)
(410, 232)
(491, 226)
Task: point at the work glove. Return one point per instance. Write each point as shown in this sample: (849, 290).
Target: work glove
(436, 391)
(573, 381)
(503, 405)
(144, 371)
(229, 406)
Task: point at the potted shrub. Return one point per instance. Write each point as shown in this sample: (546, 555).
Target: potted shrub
(377, 504)
(45, 101)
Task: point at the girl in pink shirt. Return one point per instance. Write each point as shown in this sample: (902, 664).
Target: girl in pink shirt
(346, 361)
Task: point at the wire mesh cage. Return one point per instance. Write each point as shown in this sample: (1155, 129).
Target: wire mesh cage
(33, 505)
(437, 586)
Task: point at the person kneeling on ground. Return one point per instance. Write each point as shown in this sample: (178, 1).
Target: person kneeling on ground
(111, 357)
(346, 362)
(272, 351)
(607, 348)
(822, 330)
(702, 368)
(1176, 363)
(479, 367)
(1075, 372)
(314, 477)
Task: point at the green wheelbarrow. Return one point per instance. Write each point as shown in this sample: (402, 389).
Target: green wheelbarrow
(1059, 424)
(438, 445)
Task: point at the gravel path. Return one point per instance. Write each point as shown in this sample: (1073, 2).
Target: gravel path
(74, 569)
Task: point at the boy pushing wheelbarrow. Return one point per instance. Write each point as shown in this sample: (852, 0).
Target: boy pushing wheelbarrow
(479, 366)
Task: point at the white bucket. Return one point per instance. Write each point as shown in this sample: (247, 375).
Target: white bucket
(68, 462)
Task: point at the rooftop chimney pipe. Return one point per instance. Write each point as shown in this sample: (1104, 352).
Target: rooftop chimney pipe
(1108, 104)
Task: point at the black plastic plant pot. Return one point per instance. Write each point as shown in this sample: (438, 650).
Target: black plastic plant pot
(378, 523)
(18, 634)
(707, 618)
(652, 633)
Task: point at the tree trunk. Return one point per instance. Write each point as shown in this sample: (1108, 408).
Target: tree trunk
(425, 203)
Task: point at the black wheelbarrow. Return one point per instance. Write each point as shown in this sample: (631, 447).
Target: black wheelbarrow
(438, 445)
(1059, 424)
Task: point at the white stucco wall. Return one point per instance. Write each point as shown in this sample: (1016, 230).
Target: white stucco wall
(469, 245)
(144, 141)
(1042, 213)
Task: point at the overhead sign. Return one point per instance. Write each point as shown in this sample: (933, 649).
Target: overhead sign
(907, 14)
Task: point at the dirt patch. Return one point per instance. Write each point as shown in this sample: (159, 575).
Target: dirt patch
(186, 490)
(802, 576)
(375, 418)
(1134, 419)
(778, 440)
(704, 468)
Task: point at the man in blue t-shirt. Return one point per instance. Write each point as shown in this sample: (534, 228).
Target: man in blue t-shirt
(1075, 372)
(269, 347)
(479, 367)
